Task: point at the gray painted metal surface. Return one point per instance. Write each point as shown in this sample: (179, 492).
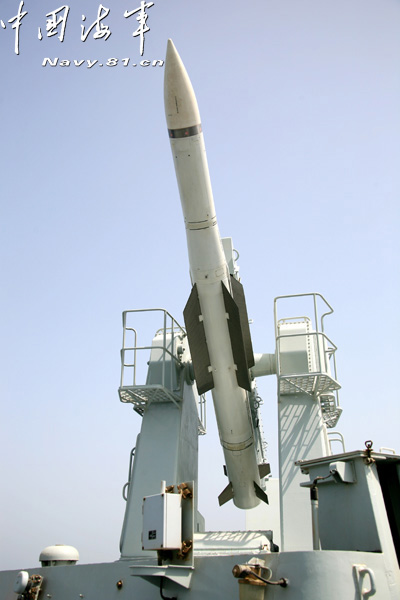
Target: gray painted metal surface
(312, 575)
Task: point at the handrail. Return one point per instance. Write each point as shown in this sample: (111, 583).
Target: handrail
(174, 328)
(171, 334)
(321, 375)
(339, 438)
(314, 295)
(127, 484)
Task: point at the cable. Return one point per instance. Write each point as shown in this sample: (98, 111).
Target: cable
(161, 591)
(283, 582)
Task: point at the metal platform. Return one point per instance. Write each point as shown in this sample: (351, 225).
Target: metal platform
(143, 395)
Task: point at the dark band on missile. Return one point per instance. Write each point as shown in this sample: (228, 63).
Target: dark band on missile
(185, 131)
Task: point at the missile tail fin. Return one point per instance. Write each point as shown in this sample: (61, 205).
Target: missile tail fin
(260, 493)
(237, 340)
(264, 469)
(197, 343)
(226, 494)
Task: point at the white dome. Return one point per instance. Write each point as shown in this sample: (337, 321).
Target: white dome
(59, 555)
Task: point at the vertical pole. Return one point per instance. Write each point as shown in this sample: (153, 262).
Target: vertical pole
(134, 357)
(164, 346)
(314, 517)
(319, 367)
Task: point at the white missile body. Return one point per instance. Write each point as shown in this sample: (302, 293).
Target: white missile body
(210, 274)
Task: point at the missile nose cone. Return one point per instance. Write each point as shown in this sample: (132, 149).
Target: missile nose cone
(181, 108)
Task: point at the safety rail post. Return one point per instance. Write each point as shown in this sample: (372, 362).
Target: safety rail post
(124, 349)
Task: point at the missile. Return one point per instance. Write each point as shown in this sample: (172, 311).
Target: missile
(215, 315)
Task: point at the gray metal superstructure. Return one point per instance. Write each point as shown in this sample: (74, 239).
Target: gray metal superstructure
(332, 526)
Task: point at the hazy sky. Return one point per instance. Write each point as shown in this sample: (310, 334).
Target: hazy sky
(300, 108)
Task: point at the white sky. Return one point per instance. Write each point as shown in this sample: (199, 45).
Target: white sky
(300, 110)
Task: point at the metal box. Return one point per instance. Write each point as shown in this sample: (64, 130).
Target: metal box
(162, 522)
(295, 348)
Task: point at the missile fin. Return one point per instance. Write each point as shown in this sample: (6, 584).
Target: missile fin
(197, 343)
(264, 469)
(260, 493)
(237, 342)
(226, 494)
(239, 298)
